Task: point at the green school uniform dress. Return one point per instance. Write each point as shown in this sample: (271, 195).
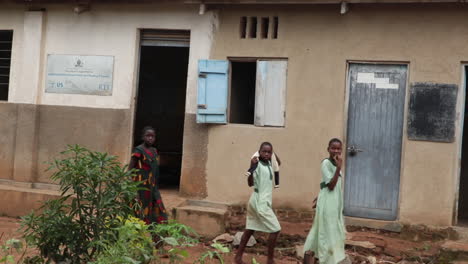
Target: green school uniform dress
(260, 215)
(327, 236)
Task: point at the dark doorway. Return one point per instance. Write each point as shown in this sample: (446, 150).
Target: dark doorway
(463, 188)
(161, 104)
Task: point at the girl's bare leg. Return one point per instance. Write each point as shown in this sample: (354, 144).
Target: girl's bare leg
(271, 247)
(240, 251)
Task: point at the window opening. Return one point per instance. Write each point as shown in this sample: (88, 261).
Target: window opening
(242, 100)
(6, 40)
(253, 27)
(243, 27)
(265, 27)
(275, 27)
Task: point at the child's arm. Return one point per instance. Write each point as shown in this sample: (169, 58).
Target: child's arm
(331, 185)
(277, 181)
(253, 164)
(253, 167)
(133, 163)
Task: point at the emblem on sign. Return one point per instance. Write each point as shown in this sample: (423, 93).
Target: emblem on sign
(79, 63)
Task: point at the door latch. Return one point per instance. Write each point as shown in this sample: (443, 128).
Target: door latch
(353, 150)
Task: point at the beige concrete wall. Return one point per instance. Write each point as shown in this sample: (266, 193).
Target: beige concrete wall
(96, 129)
(105, 30)
(318, 42)
(17, 201)
(62, 119)
(8, 119)
(113, 30)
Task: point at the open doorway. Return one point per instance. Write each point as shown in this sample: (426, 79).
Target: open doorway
(463, 188)
(164, 58)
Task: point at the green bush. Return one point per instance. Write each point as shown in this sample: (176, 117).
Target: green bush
(133, 244)
(96, 196)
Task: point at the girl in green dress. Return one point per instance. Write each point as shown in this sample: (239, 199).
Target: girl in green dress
(260, 215)
(326, 239)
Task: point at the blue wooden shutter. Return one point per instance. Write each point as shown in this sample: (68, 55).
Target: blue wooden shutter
(212, 91)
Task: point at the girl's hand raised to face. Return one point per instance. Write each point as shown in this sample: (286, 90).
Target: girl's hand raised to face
(338, 160)
(254, 160)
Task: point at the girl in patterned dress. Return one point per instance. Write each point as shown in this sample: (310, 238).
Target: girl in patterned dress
(145, 159)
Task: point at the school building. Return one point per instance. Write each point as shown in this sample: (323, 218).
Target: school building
(218, 77)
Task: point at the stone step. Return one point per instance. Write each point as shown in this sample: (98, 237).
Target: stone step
(208, 222)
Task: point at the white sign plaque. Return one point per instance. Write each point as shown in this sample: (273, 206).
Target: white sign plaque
(380, 83)
(75, 74)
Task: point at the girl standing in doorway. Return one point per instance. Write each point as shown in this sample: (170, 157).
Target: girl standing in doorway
(326, 239)
(260, 215)
(145, 159)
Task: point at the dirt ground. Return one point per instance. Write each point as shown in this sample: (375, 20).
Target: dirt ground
(364, 246)
(388, 247)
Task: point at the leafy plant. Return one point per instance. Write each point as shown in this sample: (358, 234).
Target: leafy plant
(97, 193)
(218, 253)
(175, 234)
(8, 249)
(177, 255)
(133, 244)
(254, 261)
(172, 237)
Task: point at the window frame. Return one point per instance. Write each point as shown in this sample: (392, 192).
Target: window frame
(256, 60)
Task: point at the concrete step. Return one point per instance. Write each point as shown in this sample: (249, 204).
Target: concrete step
(462, 233)
(393, 226)
(205, 203)
(456, 249)
(208, 222)
(455, 246)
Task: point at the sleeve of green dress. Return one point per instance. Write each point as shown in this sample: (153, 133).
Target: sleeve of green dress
(327, 171)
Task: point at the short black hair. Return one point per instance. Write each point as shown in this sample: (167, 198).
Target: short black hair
(146, 128)
(333, 140)
(266, 144)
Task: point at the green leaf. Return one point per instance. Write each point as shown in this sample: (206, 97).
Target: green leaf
(220, 247)
(10, 259)
(130, 260)
(171, 241)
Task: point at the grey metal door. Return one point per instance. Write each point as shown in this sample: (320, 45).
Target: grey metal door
(375, 125)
